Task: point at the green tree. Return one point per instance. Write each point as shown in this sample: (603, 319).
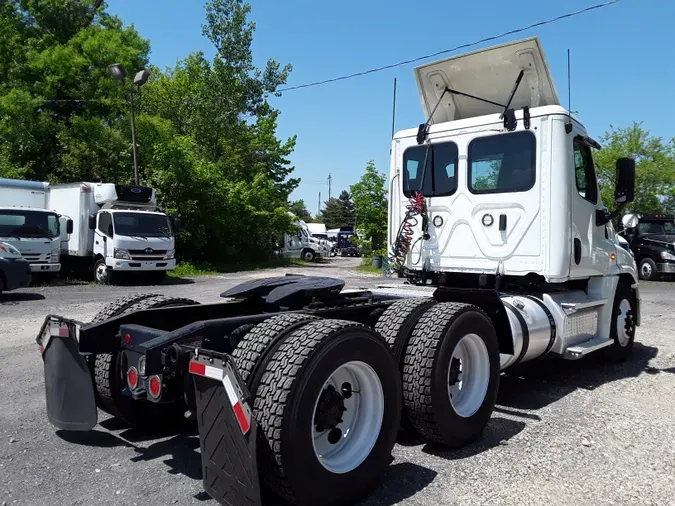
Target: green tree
(370, 201)
(338, 212)
(654, 167)
(299, 209)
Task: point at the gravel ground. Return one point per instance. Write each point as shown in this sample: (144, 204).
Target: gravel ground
(565, 433)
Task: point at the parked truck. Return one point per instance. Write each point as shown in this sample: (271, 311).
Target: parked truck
(651, 238)
(302, 245)
(29, 225)
(301, 386)
(117, 229)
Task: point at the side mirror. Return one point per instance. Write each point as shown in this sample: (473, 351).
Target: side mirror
(92, 222)
(69, 227)
(625, 181)
(629, 221)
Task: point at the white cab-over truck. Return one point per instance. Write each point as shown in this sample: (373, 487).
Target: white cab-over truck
(117, 229)
(28, 224)
(511, 255)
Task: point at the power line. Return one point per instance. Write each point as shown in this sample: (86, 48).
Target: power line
(463, 46)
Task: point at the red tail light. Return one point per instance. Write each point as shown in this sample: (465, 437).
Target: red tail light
(155, 386)
(132, 378)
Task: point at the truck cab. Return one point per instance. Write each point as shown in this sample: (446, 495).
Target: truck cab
(30, 226)
(302, 245)
(651, 238)
(118, 229)
(509, 190)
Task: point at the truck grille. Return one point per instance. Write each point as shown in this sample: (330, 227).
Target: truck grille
(141, 254)
(37, 258)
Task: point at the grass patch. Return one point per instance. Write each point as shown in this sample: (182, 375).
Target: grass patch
(191, 270)
(368, 269)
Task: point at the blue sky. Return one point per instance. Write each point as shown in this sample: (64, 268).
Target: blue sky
(623, 65)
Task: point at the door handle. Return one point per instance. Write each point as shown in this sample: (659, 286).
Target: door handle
(502, 222)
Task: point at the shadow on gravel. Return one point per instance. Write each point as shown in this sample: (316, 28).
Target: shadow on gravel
(542, 383)
(399, 482)
(182, 452)
(95, 438)
(498, 431)
(15, 297)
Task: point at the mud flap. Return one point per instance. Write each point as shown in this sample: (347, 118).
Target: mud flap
(71, 404)
(227, 431)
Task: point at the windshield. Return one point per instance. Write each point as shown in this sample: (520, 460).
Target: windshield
(661, 228)
(142, 225)
(26, 224)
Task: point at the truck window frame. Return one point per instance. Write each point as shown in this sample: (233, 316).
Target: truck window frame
(590, 174)
(431, 176)
(491, 138)
(110, 229)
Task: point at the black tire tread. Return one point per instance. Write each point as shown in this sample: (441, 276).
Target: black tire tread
(274, 390)
(119, 306)
(255, 342)
(419, 366)
(390, 324)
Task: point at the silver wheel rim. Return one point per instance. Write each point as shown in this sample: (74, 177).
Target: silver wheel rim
(622, 318)
(308, 256)
(646, 270)
(361, 421)
(468, 375)
(101, 272)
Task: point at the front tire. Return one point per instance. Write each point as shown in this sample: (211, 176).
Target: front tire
(102, 274)
(308, 255)
(318, 452)
(451, 374)
(623, 328)
(647, 269)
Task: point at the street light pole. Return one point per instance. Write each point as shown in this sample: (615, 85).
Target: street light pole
(119, 72)
(133, 138)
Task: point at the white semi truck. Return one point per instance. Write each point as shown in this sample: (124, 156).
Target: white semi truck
(302, 245)
(28, 224)
(117, 229)
(495, 218)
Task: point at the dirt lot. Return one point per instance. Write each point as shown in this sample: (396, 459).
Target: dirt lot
(569, 433)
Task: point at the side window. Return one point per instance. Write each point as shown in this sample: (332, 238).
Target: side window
(440, 175)
(502, 163)
(105, 224)
(584, 171)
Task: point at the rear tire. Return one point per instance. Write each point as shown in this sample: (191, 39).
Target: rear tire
(286, 408)
(451, 374)
(396, 325)
(254, 345)
(109, 378)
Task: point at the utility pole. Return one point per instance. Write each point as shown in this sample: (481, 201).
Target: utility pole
(133, 137)
(318, 208)
(330, 181)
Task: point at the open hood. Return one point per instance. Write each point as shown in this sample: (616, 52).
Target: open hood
(489, 74)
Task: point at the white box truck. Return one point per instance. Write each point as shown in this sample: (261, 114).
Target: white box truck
(27, 223)
(117, 229)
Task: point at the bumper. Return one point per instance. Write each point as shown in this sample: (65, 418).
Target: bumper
(16, 272)
(666, 268)
(45, 267)
(137, 265)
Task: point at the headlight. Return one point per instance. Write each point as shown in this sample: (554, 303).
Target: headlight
(667, 256)
(170, 254)
(55, 256)
(9, 250)
(122, 254)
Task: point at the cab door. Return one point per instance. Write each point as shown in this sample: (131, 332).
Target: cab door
(103, 235)
(591, 248)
